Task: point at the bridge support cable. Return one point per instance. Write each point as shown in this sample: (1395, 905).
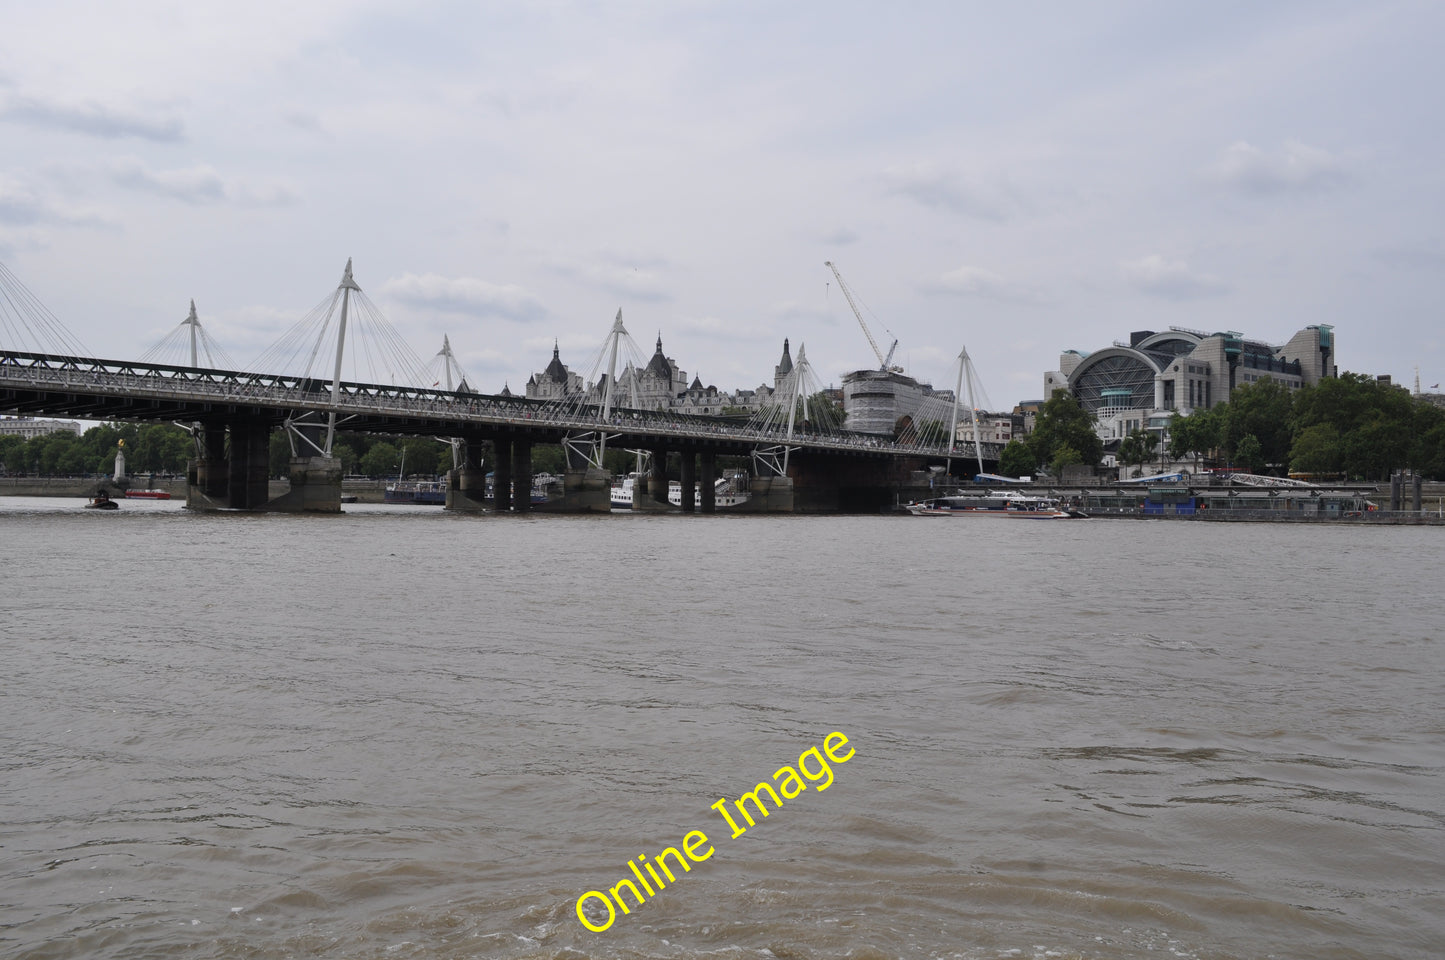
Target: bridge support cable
(965, 372)
(189, 345)
(446, 373)
(357, 343)
(799, 393)
(595, 400)
(26, 324)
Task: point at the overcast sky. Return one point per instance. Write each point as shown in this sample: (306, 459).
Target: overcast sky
(1018, 178)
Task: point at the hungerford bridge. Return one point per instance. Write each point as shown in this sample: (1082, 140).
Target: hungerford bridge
(799, 464)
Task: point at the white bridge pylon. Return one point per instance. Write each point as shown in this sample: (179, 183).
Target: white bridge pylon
(609, 384)
(800, 392)
(188, 344)
(365, 344)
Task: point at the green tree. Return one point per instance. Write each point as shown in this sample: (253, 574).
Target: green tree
(1137, 449)
(1016, 460)
(548, 458)
(12, 454)
(423, 456)
(382, 460)
(1372, 451)
(1064, 456)
(1261, 410)
(346, 453)
(1316, 449)
(1196, 434)
(823, 413)
(1427, 453)
(280, 453)
(1063, 422)
(1249, 454)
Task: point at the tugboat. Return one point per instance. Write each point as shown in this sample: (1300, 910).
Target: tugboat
(102, 501)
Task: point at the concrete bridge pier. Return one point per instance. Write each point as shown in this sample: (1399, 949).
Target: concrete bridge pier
(206, 477)
(315, 486)
(689, 482)
(707, 481)
(467, 484)
(235, 476)
(769, 495)
(584, 490)
(522, 476)
(650, 493)
(251, 462)
(502, 475)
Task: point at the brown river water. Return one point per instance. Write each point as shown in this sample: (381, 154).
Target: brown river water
(403, 734)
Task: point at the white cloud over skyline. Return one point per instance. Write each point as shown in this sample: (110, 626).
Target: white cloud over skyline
(1020, 179)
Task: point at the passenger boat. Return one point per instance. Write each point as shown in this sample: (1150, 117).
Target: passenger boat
(1001, 503)
(622, 492)
(147, 494)
(727, 492)
(428, 492)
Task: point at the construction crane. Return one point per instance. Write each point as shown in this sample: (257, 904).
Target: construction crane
(883, 361)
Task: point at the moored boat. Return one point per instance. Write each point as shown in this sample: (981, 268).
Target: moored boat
(727, 492)
(1003, 503)
(427, 492)
(147, 494)
(622, 491)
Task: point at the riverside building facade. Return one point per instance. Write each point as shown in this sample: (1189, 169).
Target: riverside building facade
(1140, 384)
(659, 385)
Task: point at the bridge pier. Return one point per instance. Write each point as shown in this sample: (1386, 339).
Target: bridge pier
(467, 484)
(502, 476)
(315, 486)
(522, 476)
(769, 495)
(584, 490)
(250, 463)
(649, 493)
(707, 481)
(689, 482)
(206, 480)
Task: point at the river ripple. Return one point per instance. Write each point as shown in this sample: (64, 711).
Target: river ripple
(399, 733)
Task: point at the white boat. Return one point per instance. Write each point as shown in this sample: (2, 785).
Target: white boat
(728, 492)
(1001, 503)
(622, 491)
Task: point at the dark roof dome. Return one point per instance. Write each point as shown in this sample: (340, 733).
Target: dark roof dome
(658, 365)
(785, 365)
(556, 371)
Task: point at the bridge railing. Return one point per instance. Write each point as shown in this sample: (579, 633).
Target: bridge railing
(285, 392)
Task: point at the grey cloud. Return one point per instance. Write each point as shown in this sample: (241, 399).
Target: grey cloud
(1425, 255)
(980, 282)
(631, 279)
(21, 207)
(950, 193)
(1296, 167)
(200, 184)
(1170, 279)
(466, 295)
(304, 120)
(92, 119)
